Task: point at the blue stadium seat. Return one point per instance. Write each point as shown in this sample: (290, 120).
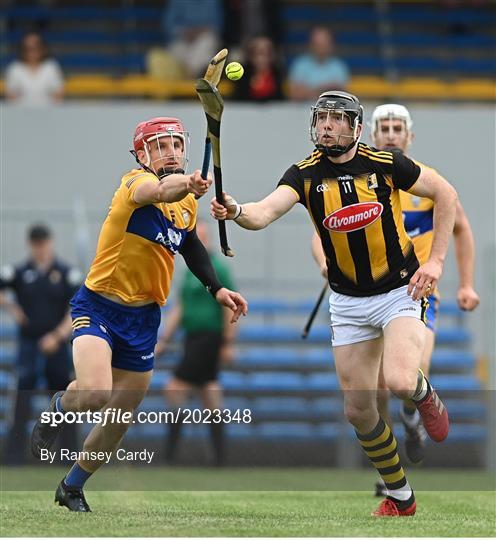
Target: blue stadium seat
(425, 15)
(231, 380)
(449, 358)
(327, 407)
(322, 382)
(455, 383)
(465, 409)
(7, 356)
(280, 407)
(7, 381)
(317, 15)
(92, 37)
(82, 13)
(285, 430)
(8, 332)
(283, 358)
(159, 379)
(276, 382)
(329, 431)
(458, 335)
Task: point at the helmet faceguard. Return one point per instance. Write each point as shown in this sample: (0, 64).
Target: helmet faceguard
(165, 144)
(391, 111)
(344, 109)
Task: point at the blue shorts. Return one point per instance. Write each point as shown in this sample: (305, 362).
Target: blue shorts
(131, 332)
(431, 313)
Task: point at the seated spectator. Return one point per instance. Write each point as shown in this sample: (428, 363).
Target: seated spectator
(318, 70)
(262, 80)
(34, 79)
(192, 29)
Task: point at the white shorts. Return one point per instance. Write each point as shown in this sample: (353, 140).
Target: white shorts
(360, 318)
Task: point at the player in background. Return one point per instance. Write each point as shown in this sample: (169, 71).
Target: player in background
(391, 129)
(208, 343)
(377, 306)
(116, 313)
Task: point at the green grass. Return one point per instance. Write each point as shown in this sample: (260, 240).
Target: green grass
(242, 513)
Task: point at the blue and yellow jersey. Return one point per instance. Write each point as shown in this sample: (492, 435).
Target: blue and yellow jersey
(418, 214)
(135, 253)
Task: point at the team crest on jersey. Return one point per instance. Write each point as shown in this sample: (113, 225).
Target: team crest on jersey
(186, 217)
(372, 181)
(353, 217)
(415, 200)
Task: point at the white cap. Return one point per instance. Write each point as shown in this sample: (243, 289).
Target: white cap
(390, 111)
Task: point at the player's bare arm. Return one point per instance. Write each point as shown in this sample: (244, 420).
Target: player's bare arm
(256, 215)
(467, 297)
(432, 185)
(172, 189)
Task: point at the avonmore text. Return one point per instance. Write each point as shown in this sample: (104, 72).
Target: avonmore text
(118, 416)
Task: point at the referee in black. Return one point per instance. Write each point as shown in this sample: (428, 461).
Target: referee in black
(42, 287)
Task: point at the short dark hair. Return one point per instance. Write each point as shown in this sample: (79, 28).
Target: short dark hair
(38, 233)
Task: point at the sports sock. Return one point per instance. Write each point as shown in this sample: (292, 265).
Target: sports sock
(173, 436)
(423, 388)
(76, 477)
(217, 436)
(409, 408)
(58, 405)
(382, 449)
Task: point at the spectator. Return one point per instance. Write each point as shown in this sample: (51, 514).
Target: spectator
(42, 287)
(34, 79)
(208, 343)
(192, 29)
(318, 70)
(262, 80)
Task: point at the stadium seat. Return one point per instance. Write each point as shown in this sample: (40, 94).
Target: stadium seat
(322, 382)
(275, 382)
(455, 383)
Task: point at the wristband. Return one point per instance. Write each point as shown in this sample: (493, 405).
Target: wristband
(239, 211)
(214, 289)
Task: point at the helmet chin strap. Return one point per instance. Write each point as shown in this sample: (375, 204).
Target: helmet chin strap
(335, 150)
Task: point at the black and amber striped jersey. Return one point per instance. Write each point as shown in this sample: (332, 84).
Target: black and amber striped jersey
(355, 208)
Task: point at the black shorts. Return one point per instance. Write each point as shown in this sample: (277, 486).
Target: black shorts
(200, 362)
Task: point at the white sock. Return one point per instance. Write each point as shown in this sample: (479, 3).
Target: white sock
(411, 420)
(420, 394)
(401, 494)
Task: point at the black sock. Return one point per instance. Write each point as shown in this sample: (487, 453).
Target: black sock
(217, 436)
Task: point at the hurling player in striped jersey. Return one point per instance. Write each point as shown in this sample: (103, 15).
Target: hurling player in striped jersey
(378, 287)
(391, 129)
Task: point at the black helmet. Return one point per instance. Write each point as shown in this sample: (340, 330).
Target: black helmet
(336, 101)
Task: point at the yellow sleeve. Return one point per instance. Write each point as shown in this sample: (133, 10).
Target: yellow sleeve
(192, 205)
(131, 182)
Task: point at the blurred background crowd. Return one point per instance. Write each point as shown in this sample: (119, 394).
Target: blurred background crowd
(291, 49)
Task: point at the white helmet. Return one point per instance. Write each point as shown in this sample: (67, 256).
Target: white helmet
(390, 111)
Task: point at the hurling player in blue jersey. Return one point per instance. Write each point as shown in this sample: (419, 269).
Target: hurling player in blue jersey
(391, 129)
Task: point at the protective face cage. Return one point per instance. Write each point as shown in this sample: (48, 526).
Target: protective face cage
(167, 162)
(337, 110)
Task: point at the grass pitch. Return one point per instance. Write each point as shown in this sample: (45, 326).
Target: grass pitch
(242, 513)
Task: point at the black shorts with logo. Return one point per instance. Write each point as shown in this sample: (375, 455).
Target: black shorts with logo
(200, 362)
